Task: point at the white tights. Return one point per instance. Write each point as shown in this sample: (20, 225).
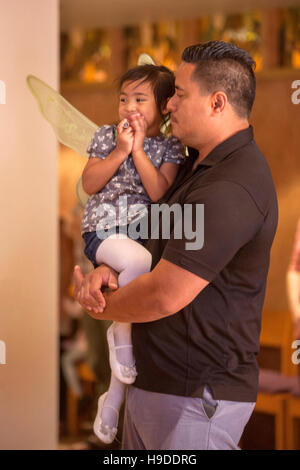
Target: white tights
(130, 260)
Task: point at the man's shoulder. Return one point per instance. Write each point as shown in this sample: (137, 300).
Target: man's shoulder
(244, 174)
(250, 169)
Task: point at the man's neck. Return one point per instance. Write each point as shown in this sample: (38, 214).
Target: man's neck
(205, 149)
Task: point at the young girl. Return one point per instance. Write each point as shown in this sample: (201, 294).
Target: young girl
(133, 163)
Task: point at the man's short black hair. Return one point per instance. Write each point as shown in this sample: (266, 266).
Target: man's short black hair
(223, 66)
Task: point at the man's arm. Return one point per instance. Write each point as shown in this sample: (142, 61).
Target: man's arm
(152, 296)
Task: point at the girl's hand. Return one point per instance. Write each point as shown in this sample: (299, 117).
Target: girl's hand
(139, 126)
(125, 138)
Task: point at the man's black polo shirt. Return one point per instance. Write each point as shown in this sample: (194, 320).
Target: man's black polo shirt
(215, 339)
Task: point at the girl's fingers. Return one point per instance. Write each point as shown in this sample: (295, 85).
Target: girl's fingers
(138, 122)
(129, 134)
(142, 122)
(120, 126)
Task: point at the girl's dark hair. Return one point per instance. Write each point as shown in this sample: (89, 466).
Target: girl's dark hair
(224, 66)
(161, 79)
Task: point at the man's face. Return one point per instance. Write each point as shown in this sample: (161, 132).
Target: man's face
(190, 109)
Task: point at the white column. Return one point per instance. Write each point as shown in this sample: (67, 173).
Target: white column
(29, 37)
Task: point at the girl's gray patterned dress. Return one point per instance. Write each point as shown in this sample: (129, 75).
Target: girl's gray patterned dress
(126, 182)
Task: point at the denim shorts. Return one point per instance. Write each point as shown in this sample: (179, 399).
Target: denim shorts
(92, 242)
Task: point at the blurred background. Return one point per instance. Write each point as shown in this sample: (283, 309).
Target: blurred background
(81, 48)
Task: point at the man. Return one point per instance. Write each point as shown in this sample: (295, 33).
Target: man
(196, 316)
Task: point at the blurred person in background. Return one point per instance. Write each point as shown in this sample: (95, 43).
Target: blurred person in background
(293, 285)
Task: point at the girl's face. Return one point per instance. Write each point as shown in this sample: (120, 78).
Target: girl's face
(138, 97)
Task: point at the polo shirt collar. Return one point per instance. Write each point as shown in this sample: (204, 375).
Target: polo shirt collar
(228, 146)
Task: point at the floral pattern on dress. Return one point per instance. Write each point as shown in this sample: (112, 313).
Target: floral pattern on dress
(103, 210)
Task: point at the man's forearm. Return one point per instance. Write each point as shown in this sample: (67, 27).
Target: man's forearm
(155, 295)
(142, 300)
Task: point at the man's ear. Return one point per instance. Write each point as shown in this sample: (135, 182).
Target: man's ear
(219, 100)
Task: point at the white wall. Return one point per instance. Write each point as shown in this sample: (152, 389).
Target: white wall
(29, 38)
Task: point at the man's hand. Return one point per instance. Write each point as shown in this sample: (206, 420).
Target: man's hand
(87, 287)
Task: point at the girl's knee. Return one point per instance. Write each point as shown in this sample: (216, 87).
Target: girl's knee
(140, 262)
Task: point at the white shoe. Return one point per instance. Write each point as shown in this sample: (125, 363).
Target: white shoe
(104, 432)
(126, 374)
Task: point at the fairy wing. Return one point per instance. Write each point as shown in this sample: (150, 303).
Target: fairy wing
(71, 127)
(82, 196)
